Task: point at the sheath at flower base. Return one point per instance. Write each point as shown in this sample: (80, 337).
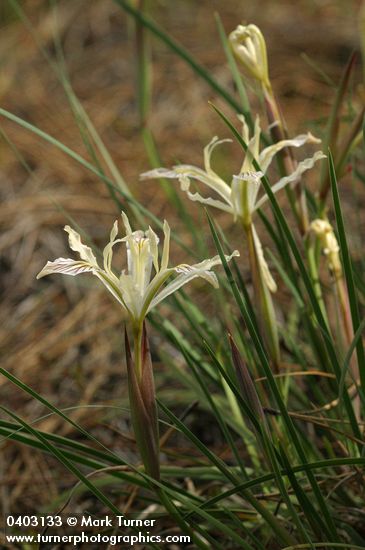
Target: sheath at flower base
(137, 291)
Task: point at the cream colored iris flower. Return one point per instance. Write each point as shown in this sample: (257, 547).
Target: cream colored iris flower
(248, 45)
(240, 198)
(135, 288)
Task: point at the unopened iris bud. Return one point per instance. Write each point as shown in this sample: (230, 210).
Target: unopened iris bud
(249, 47)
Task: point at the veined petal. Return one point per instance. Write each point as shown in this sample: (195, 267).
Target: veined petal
(108, 250)
(302, 167)
(268, 153)
(158, 173)
(66, 266)
(211, 179)
(245, 188)
(253, 148)
(153, 289)
(166, 246)
(111, 282)
(208, 150)
(153, 241)
(131, 296)
(139, 259)
(180, 281)
(208, 264)
(245, 129)
(196, 197)
(114, 231)
(76, 245)
(271, 284)
(189, 272)
(126, 223)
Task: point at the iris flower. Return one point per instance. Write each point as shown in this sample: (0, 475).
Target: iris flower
(240, 197)
(136, 290)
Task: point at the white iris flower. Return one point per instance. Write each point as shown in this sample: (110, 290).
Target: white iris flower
(135, 288)
(240, 198)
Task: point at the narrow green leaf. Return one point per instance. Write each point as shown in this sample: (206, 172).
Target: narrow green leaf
(329, 345)
(349, 353)
(275, 525)
(54, 409)
(347, 265)
(111, 185)
(65, 461)
(320, 464)
(180, 51)
(331, 529)
(235, 73)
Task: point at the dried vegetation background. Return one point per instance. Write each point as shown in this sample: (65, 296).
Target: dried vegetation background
(62, 337)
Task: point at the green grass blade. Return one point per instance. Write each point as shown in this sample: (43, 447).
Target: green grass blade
(181, 52)
(16, 433)
(305, 278)
(235, 73)
(280, 532)
(349, 353)
(331, 529)
(347, 265)
(65, 461)
(54, 409)
(320, 464)
(110, 184)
